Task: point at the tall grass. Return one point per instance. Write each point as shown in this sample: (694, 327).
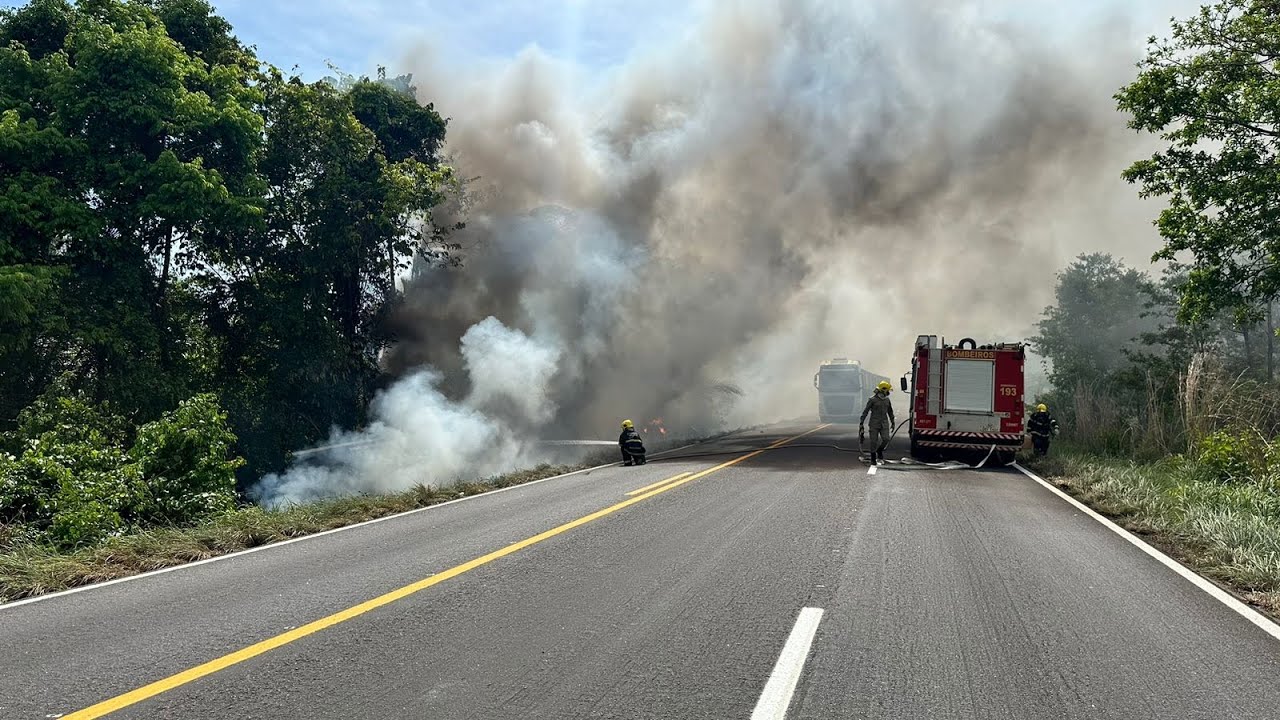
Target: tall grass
(1162, 416)
(1226, 531)
(1191, 461)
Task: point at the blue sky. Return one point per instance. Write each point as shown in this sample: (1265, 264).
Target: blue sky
(357, 35)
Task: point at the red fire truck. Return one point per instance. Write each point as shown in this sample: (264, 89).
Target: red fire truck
(966, 397)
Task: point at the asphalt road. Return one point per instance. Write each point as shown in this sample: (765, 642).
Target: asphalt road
(943, 594)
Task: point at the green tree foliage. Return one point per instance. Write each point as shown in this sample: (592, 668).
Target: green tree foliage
(76, 480)
(1129, 376)
(182, 466)
(184, 228)
(1212, 91)
(308, 305)
(1097, 317)
(106, 175)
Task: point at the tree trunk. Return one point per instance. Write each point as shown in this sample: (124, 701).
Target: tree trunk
(1271, 342)
(1248, 350)
(162, 300)
(347, 292)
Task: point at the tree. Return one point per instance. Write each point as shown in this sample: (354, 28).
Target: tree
(1101, 314)
(177, 218)
(348, 207)
(122, 158)
(1212, 91)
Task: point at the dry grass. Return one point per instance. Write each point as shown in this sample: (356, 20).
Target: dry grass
(1227, 532)
(29, 569)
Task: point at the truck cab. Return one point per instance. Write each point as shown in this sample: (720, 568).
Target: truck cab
(842, 390)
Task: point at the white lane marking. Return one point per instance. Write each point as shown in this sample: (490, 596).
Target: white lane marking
(776, 697)
(1214, 591)
(282, 543)
(871, 470)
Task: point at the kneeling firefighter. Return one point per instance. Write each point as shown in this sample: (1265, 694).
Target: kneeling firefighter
(631, 445)
(882, 421)
(1042, 427)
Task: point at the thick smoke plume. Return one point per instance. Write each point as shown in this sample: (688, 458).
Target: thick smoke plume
(792, 180)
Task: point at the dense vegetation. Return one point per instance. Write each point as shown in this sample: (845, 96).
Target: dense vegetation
(1166, 381)
(1183, 361)
(198, 257)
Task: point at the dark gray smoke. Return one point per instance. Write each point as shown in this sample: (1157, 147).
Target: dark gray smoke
(792, 180)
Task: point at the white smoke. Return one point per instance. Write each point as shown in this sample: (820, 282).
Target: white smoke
(509, 371)
(789, 181)
(420, 436)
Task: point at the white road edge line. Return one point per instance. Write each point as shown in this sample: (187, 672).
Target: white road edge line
(282, 543)
(776, 697)
(1214, 591)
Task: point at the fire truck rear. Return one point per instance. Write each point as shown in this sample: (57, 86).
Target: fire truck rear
(966, 397)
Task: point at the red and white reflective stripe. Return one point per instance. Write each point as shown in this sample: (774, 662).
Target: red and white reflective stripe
(976, 435)
(939, 444)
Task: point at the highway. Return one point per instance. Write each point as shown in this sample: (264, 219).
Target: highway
(765, 583)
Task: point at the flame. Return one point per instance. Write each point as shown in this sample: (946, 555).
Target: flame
(656, 424)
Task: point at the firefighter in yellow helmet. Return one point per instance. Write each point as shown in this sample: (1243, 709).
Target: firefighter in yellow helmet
(1042, 427)
(631, 445)
(882, 421)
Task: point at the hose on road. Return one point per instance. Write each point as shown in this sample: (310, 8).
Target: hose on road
(906, 461)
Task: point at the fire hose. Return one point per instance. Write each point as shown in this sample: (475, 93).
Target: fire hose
(949, 465)
(862, 452)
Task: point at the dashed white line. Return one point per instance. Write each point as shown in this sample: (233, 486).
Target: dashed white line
(776, 697)
(871, 470)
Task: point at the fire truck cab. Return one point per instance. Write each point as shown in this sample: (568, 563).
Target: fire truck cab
(966, 397)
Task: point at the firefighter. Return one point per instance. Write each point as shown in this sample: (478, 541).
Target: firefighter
(1042, 427)
(631, 445)
(882, 422)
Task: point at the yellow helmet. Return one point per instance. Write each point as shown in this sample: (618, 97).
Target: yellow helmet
(1042, 408)
(627, 424)
(884, 385)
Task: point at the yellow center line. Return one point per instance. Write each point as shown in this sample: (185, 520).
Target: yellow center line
(657, 484)
(173, 681)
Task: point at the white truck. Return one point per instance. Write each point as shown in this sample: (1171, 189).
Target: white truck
(843, 388)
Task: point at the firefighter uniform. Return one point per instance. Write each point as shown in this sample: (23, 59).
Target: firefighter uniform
(881, 411)
(1042, 427)
(630, 444)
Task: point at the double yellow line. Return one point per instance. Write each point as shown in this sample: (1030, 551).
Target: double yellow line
(173, 681)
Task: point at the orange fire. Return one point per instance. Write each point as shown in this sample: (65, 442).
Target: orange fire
(656, 425)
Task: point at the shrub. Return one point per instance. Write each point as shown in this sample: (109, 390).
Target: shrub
(182, 460)
(1233, 455)
(74, 483)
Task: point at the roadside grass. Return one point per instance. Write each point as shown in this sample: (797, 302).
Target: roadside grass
(1228, 532)
(28, 569)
